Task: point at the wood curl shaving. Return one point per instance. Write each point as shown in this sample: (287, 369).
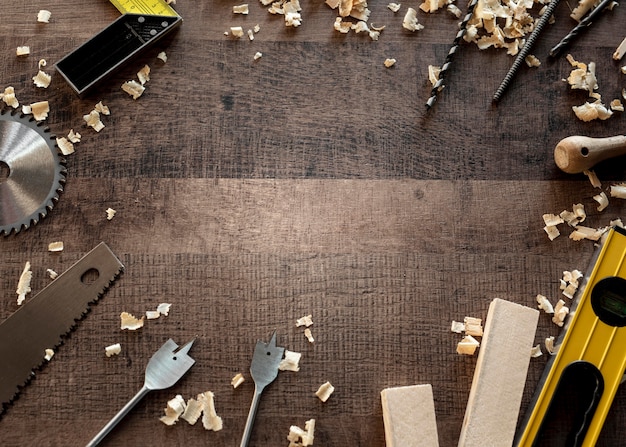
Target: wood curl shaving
(23, 285)
(302, 438)
(130, 322)
(324, 391)
(8, 97)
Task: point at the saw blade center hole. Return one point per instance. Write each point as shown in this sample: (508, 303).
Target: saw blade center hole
(5, 171)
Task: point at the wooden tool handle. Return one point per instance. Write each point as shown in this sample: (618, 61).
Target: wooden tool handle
(576, 154)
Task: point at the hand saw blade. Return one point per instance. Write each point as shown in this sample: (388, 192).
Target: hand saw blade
(41, 322)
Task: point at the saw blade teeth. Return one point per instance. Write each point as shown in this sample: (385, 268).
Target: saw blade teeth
(28, 147)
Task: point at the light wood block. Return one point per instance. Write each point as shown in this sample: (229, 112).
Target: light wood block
(409, 416)
(500, 375)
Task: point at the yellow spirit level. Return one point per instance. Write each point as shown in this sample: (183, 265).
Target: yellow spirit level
(142, 23)
(578, 384)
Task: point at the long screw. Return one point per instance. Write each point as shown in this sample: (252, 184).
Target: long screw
(525, 51)
(453, 49)
(582, 25)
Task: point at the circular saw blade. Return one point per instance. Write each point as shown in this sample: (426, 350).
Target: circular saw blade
(32, 173)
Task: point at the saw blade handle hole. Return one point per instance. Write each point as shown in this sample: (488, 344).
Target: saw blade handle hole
(90, 276)
(5, 171)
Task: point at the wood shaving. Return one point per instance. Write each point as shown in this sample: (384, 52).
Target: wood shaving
(258, 55)
(52, 274)
(395, 7)
(55, 246)
(410, 21)
(133, 88)
(144, 75)
(298, 437)
(592, 111)
(236, 31)
(457, 327)
(22, 51)
(560, 313)
(74, 137)
(8, 97)
(536, 351)
(616, 105)
(501, 24)
(291, 10)
(210, 419)
(40, 110)
(23, 285)
(552, 219)
(193, 411)
(620, 50)
(174, 409)
(162, 309)
(43, 16)
(454, 10)
(433, 74)
(602, 200)
(593, 178)
(361, 27)
(467, 346)
(432, 5)
(26, 110)
(473, 326)
(152, 315)
(306, 321)
(549, 343)
(93, 120)
(309, 335)
(42, 63)
(592, 234)
(48, 354)
(104, 110)
(324, 391)
(290, 362)
(237, 380)
(42, 79)
(130, 322)
(250, 34)
(112, 350)
(583, 7)
(552, 231)
(110, 213)
(532, 61)
(241, 9)
(544, 304)
(618, 191)
(162, 56)
(66, 146)
(341, 26)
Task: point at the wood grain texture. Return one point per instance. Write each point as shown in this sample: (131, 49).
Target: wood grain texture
(312, 181)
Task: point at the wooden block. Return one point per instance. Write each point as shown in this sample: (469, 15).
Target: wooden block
(409, 416)
(500, 375)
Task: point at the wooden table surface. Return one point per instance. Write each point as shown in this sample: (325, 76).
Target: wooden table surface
(311, 181)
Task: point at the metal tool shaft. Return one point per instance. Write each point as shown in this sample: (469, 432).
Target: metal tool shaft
(439, 85)
(525, 51)
(578, 29)
(247, 432)
(118, 417)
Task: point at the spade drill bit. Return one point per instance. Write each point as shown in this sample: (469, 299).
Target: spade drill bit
(453, 49)
(525, 51)
(582, 26)
(264, 369)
